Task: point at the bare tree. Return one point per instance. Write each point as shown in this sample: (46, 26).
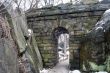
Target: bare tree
(48, 2)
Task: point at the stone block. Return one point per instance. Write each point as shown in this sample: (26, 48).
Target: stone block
(50, 65)
(46, 60)
(47, 37)
(37, 34)
(74, 45)
(47, 41)
(49, 45)
(78, 32)
(90, 1)
(47, 56)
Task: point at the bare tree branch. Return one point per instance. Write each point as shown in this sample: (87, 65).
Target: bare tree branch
(19, 3)
(3, 3)
(6, 7)
(24, 4)
(36, 4)
(31, 4)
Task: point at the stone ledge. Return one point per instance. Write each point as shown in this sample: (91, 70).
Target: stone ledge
(68, 10)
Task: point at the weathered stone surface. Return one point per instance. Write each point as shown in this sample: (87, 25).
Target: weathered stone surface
(105, 1)
(90, 1)
(69, 9)
(8, 49)
(97, 43)
(29, 56)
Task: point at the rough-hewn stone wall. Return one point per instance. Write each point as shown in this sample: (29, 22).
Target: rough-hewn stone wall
(46, 43)
(77, 21)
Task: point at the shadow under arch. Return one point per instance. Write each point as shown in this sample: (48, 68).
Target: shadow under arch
(58, 31)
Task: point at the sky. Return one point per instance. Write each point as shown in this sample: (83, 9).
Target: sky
(25, 4)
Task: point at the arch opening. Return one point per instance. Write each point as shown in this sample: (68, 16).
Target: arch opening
(61, 36)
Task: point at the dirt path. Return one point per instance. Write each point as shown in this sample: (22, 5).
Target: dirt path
(61, 67)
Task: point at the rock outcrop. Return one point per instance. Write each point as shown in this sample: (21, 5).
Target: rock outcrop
(95, 50)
